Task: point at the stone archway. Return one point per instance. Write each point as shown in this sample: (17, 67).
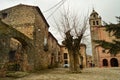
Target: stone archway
(6, 33)
(105, 62)
(114, 62)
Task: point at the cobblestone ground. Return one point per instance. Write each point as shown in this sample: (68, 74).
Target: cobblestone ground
(87, 74)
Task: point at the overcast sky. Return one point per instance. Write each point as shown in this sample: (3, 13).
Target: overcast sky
(107, 9)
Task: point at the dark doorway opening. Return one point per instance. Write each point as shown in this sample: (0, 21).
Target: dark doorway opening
(105, 62)
(114, 62)
(12, 55)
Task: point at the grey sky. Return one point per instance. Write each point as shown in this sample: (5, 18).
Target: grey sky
(107, 9)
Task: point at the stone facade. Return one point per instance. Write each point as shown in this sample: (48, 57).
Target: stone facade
(54, 48)
(65, 56)
(101, 57)
(84, 55)
(89, 61)
(29, 21)
(8, 48)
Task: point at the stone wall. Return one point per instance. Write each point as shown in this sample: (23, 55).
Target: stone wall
(30, 21)
(40, 34)
(89, 61)
(83, 54)
(54, 50)
(20, 17)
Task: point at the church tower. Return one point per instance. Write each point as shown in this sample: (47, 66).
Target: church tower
(95, 24)
(95, 19)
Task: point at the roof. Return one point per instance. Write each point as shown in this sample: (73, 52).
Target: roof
(36, 7)
(93, 12)
(39, 11)
(53, 36)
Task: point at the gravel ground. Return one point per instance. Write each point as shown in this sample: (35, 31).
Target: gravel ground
(63, 74)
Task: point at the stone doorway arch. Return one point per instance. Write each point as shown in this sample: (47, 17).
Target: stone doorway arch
(6, 33)
(105, 62)
(114, 62)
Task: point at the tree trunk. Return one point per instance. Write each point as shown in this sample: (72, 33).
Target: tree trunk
(71, 57)
(74, 61)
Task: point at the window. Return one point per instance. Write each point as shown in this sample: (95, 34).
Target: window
(58, 59)
(59, 53)
(93, 22)
(103, 51)
(97, 23)
(65, 56)
(94, 15)
(52, 54)
(4, 15)
(65, 62)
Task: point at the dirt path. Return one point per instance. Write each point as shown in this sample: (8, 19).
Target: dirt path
(87, 74)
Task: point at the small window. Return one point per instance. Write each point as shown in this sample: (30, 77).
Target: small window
(65, 62)
(65, 56)
(4, 15)
(94, 16)
(58, 59)
(97, 23)
(52, 54)
(59, 53)
(103, 51)
(93, 22)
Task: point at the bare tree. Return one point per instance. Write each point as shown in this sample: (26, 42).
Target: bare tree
(72, 30)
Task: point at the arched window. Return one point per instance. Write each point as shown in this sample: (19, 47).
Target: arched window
(94, 16)
(105, 62)
(93, 22)
(97, 22)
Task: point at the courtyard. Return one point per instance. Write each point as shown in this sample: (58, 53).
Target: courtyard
(64, 74)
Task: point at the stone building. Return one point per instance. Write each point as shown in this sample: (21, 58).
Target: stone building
(29, 37)
(54, 48)
(101, 57)
(89, 61)
(8, 48)
(65, 56)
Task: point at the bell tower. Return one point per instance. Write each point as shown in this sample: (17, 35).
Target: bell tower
(95, 19)
(95, 25)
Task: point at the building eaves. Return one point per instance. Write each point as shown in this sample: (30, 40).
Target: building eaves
(50, 34)
(39, 11)
(16, 6)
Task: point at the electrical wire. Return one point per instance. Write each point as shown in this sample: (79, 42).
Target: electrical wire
(53, 6)
(63, 1)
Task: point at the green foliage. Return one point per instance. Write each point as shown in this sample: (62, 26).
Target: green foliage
(114, 28)
(114, 46)
(104, 44)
